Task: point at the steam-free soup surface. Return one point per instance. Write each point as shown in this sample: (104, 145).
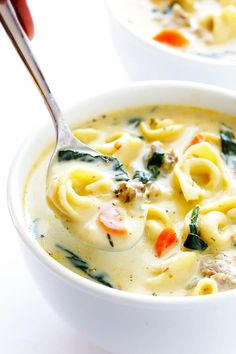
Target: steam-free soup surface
(179, 164)
(200, 27)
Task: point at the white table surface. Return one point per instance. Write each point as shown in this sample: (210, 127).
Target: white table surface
(73, 45)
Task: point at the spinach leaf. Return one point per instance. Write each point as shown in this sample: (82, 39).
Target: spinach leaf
(155, 162)
(136, 121)
(79, 263)
(121, 174)
(69, 155)
(193, 240)
(155, 171)
(228, 142)
(143, 176)
(193, 221)
(153, 166)
(117, 166)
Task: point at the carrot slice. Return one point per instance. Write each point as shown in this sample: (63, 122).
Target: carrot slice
(111, 221)
(196, 140)
(172, 37)
(166, 239)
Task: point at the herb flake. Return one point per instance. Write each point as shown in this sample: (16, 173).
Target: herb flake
(110, 240)
(136, 121)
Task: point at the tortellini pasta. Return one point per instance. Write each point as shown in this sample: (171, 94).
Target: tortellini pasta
(214, 230)
(224, 205)
(228, 2)
(186, 4)
(216, 223)
(222, 25)
(78, 194)
(212, 139)
(163, 197)
(120, 144)
(162, 130)
(157, 219)
(201, 172)
(88, 135)
(174, 274)
(72, 192)
(206, 286)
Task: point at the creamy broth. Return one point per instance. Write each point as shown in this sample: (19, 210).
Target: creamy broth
(208, 26)
(181, 161)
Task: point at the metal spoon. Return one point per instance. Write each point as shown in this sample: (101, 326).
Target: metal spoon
(65, 141)
(64, 136)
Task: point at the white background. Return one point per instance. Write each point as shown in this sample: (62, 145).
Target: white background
(74, 49)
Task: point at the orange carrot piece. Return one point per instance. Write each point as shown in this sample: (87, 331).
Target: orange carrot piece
(110, 220)
(172, 37)
(166, 239)
(196, 140)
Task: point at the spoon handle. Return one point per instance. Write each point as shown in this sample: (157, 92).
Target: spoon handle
(20, 42)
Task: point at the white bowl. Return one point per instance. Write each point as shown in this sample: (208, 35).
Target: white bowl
(145, 59)
(122, 322)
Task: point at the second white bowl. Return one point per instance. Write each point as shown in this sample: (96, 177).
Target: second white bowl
(144, 59)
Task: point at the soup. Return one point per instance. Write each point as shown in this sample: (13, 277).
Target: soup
(200, 27)
(174, 195)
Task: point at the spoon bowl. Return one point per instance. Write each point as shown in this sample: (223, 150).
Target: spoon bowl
(70, 151)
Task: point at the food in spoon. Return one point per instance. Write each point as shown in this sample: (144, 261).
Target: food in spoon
(85, 192)
(173, 191)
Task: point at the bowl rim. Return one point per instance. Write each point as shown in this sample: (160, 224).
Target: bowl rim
(86, 285)
(163, 47)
